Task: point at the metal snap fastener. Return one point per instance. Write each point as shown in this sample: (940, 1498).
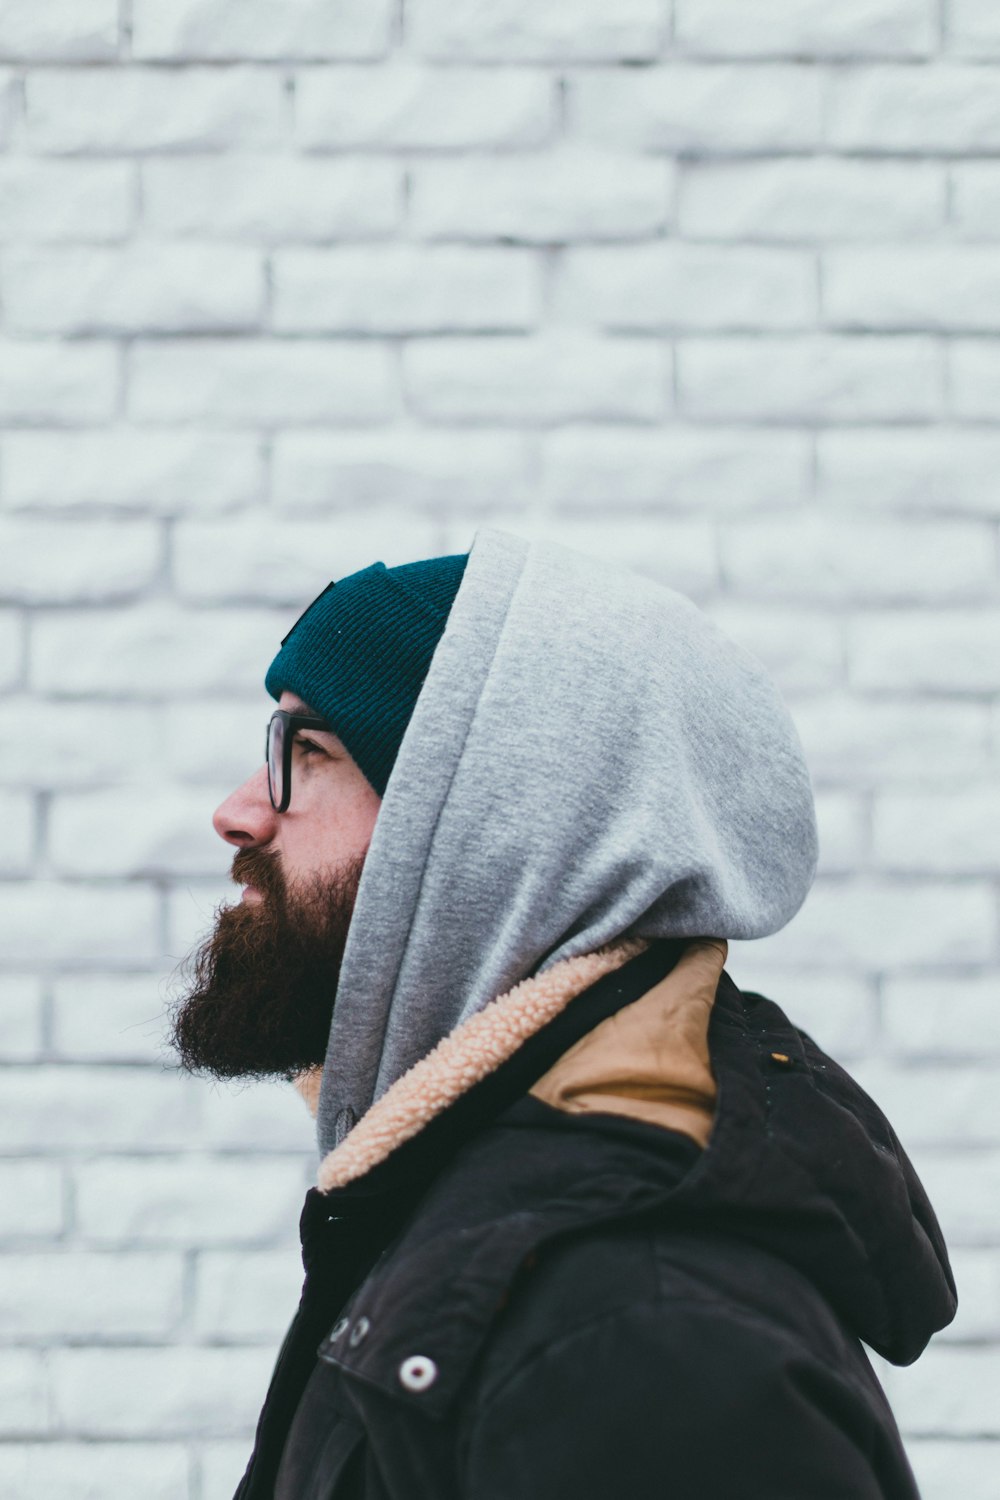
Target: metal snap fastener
(339, 1329)
(359, 1332)
(417, 1373)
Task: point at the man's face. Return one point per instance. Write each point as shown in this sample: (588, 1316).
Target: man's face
(259, 991)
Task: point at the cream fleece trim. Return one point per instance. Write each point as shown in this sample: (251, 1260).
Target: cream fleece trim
(467, 1055)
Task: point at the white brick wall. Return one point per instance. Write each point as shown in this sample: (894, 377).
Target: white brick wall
(706, 286)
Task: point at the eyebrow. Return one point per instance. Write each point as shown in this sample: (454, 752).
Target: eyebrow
(298, 707)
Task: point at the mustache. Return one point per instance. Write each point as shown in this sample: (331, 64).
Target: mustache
(261, 869)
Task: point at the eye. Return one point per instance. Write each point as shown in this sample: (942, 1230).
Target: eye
(308, 747)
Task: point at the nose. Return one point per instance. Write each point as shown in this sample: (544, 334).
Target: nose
(246, 818)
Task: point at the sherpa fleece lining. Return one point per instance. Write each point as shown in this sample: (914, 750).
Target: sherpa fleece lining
(467, 1055)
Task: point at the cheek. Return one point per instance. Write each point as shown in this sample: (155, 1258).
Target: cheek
(335, 824)
(359, 816)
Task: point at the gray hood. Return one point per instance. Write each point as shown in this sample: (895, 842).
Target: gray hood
(589, 755)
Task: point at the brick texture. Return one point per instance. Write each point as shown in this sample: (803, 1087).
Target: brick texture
(702, 286)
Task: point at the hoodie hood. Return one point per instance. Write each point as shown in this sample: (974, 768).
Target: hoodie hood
(589, 757)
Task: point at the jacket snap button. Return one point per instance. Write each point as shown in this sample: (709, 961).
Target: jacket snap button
(417, 1373)
(359, 1332)
(339, 1329)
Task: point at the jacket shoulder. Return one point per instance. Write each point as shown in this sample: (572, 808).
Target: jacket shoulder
(689, 1387)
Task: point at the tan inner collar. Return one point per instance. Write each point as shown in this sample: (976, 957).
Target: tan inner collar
(650, 1061)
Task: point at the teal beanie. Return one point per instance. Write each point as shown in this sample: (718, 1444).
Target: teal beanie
(359, 654)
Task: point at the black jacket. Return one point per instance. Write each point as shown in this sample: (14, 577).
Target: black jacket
(524, 1305)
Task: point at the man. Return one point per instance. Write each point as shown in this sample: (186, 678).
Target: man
(589, 1221)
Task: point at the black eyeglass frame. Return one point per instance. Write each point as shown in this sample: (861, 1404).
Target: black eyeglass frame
(290, 725)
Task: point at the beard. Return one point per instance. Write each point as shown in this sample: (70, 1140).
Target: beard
(257, 995)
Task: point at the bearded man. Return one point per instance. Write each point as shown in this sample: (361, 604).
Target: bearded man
(589, 1221)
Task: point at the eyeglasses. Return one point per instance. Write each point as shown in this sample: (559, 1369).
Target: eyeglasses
(281, 731)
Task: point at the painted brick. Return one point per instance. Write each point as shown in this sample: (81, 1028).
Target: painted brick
(946, 651)
(963, 1187)
(114, 924)
(253, 382)
(192, 1201)
(123, 469)
(837, 1011)
(248, 1296)
(944, 1469)
(270, 1116)
(975, 379)
(77, 30)
(679, 553)
(843, 821)
(947, 1391)
(571, 192)
(74, 744)
(86, 1294)
(136, 831)
(803, 651)
(56, 200)
(677, 286)
(948, 471)
(52, 382)
(973, 29)
(218, 743)
(9, 103)
(938, 833)
(24, 1398)
(938, 1016)
(406, 289)
(875, 925)
(674, 468)
(17, 819)
(912, 287)
(222, 1466)
(191, 909)
(21, 1005)
(405, 467)
(152, 650)
(942, 109)
(811, 558)
(816, 199)
(11, 650)
(977, 1275)
(537, 30)
(727, 28)
(134, 110)
(108, 1018)
(280, 561)
(865, 741)
(64, 562)
(65, 1108)
(823, 378)
(241, 29)
(933, 1105)
(975, 198)
(94, 1471)
(685, 107)
(403, 106)
(271, 198)
(557, 378)
(143, 288)
(31, 1200)
(159, 1392)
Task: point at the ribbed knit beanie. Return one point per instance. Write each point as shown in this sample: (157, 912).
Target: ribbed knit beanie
(359, 654)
